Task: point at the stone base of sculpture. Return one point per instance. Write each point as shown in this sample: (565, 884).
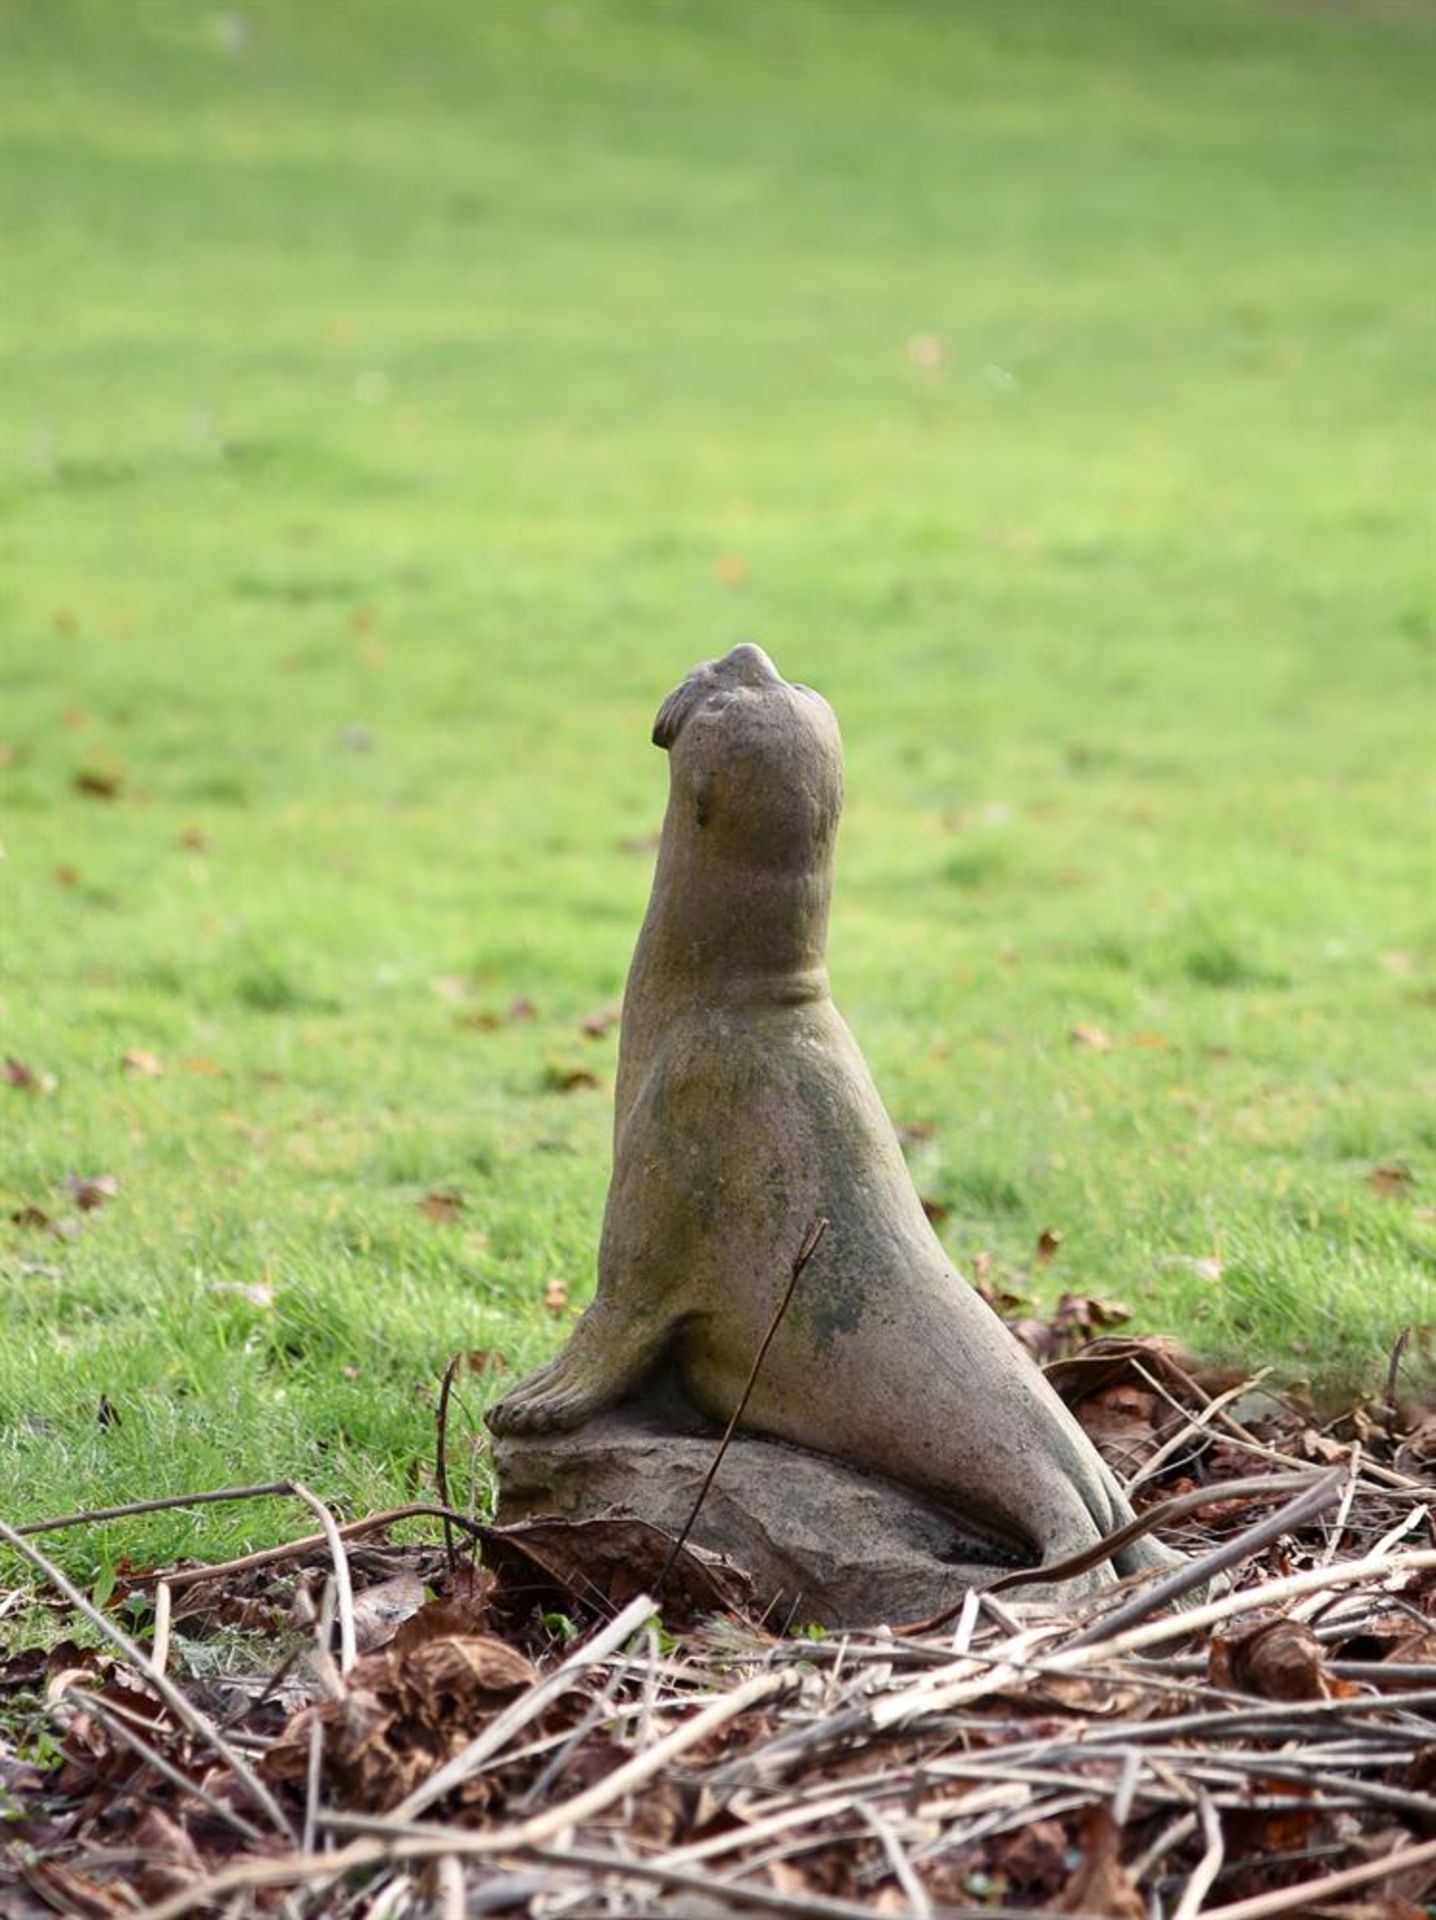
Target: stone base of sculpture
(821, 1541)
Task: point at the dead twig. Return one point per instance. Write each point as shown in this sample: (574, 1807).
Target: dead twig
(441, 1453)
(181, 1577)
(1207, 1868)
(1314, 1893)
(343, 1586)
(91, 1516)
(812, 1240)
(1314, 1499)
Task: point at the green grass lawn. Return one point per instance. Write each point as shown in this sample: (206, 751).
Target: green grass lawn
(397, 399)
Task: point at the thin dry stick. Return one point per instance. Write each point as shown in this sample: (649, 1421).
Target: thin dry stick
(313, 1779)
(1197, 1423)
(1176, 1507)
(1343, 1512)
(1207, 1868)
(1388, 1476)
(343, 1586)
(1307, 1504)
(441, 1451)
(1315, 1893)
(945, 1689)
(901, 1867)
(188, 1715)
(449, 1876)
(296, 1549)
(812, 1239)
(1393, 1372)
(161, 1642)
(92, 1515)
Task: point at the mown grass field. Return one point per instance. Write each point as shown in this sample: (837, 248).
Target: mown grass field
(396, 400)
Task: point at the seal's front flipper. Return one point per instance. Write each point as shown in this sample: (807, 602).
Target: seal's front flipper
(607, 1358)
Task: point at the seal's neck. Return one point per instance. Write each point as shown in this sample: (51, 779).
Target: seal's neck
(737, 934)
(721, 936)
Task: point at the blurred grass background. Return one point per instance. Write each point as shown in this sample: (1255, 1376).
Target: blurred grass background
(397, 400)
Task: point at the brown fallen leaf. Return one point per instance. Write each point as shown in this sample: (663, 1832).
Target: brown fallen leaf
(1124, 1423)
(1127, 1358)
(1393, 1180)
(140, 1061)
(1276, 1659)
(193, 840)
(600, 1565)
(596, 1025)
(1034, 1858)
(568, 1079)
(380, 1610)
(936, 1210)
(522, 1008)
(441, 1203)
(32, 1218)
(169, 1861)
(1101, 1884)
(1048, 1242)
(446, 1619)
(485, 1360)
(28, 1079)
(1416, 1454)
(404, 1711)
(1085, 1035)
(555, 1294)
(97, 783)
(89, 1195)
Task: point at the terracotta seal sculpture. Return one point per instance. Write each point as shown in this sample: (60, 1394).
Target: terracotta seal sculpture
(744, 1112)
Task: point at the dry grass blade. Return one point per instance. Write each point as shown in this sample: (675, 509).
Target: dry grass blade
(1207, 1868)
(343, 1586)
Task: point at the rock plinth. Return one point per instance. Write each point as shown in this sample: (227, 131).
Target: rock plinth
(823, 1542)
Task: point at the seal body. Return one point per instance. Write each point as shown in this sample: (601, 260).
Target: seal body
(744, 1112)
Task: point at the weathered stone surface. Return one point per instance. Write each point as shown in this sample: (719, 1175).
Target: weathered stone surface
(821, 1541)
(743, 1114)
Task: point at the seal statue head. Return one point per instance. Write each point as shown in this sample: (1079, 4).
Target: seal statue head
(756, 764)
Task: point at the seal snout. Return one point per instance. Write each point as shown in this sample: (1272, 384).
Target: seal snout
(743, 668)
(748, 666)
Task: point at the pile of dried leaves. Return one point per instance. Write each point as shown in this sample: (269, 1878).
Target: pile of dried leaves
(514, 1725)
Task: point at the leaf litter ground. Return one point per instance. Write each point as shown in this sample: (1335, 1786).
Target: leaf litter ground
(549, 1719)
